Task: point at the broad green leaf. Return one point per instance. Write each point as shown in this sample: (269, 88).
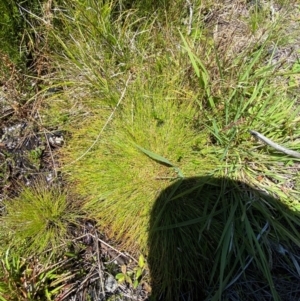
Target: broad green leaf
(135, 284)
(139, 273)
(120, 277)
(154, 156)
(141, 261)
(159, 159)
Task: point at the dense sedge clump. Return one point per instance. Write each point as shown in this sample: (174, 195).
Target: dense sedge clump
(38, 219)
(119, 180)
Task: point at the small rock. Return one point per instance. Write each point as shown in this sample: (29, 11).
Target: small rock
(56, 140)
(111, 284)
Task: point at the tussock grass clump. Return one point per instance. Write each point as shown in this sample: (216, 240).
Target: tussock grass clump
(212, 234)
(153, 99)
(119, 172)
(38, 219)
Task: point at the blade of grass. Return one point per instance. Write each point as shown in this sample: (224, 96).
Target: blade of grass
(160, 159)
(200, 71)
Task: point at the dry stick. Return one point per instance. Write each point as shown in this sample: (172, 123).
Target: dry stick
(190, 6)
(75, 287)
(114, 249)
(131, 297)
(51, 154)
(106, 123)
(91, 273)
(99, 265)
(21, 8)
(100, 240)
(49, 147)
(275, 145)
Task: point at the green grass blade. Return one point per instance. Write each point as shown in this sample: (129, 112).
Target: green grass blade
(160, 159)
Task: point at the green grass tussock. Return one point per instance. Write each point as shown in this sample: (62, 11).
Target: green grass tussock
(39, 219)
(209, 234)
(159, 123)
(158, 97)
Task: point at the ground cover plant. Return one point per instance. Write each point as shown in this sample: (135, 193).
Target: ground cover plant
(179, 107)
(157, 101)
(231, 231)
(49, 212)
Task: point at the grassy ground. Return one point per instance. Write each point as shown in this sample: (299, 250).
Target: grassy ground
(156, 102)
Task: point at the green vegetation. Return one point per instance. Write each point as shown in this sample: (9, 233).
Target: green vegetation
(225, 227)
(158, 102)
(28, 280)
(133, 277)
(38, 219)
(10, 27)
(18, 27)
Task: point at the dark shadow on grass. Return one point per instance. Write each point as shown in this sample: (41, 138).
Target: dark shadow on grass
(206, 232)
